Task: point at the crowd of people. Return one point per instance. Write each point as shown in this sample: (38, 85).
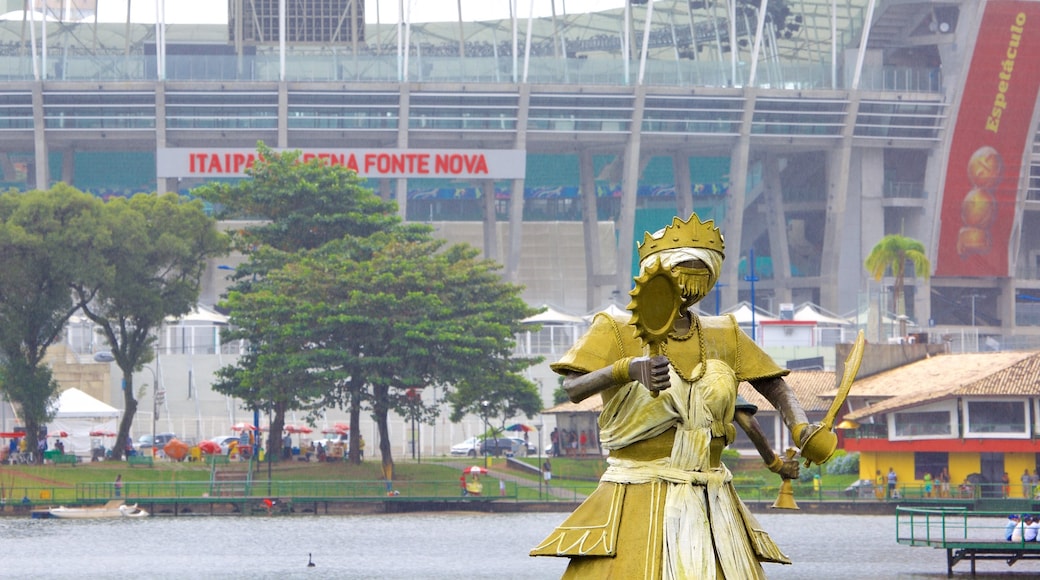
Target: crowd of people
(1022, 528)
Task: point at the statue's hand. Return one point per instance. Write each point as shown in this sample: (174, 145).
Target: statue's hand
(652, 372)
(817, 443)
(789, 470)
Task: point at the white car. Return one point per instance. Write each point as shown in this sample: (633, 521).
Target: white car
(470, 447)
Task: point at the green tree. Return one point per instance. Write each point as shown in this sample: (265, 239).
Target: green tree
(154, 264)
(388, 314)
(361, 308)
(49, 240)
(893, 253)
(293, 206)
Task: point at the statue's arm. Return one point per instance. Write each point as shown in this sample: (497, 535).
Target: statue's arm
(651, 372)
(786, 468)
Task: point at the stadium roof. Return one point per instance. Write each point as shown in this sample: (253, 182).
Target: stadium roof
(795, 31)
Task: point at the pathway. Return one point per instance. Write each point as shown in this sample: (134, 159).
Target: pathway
(511, 477)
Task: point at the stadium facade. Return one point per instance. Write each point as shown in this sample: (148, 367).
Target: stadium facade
(807, 129)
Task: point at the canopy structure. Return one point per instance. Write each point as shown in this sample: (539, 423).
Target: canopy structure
(78, 414)
(810, 312)
(743, 314)
(552, 316)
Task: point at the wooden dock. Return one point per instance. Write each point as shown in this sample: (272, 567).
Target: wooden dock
(966, 535)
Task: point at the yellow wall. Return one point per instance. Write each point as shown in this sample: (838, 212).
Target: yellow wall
(902, 463)
(961, 465)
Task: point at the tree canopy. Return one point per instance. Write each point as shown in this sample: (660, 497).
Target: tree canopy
(346, 306)
(48, 242)
(152, 270)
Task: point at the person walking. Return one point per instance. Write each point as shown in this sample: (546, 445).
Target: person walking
(944, 483)
(892, 478)
(547, 472)
(118, 485)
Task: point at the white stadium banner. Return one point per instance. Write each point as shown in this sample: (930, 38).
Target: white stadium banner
(216, 162)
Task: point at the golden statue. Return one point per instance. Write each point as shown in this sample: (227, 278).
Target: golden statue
(666, 507)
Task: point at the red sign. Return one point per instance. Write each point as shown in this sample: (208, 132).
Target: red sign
(989, 142)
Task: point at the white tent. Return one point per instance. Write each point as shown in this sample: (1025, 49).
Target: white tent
(77, 414)
(743, 314)
(811, 313)
(612, 310)
(199, 315)
(552, 316)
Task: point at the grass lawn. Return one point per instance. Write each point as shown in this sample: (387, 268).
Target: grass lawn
(579, 476)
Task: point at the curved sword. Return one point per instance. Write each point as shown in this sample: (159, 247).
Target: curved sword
(852, 362)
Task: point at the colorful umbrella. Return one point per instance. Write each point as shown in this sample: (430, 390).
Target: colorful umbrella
(242, 427)
(294, 429)
(210, 448)
(520, 427)
(102, 433)
(12, 434)
(475, 470)
(176, 449)
(58, 434)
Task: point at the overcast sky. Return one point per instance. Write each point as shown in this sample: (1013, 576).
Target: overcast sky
(215, 12)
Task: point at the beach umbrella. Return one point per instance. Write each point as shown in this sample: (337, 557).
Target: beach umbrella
(298, 429)
(475, 470)
(58, 434)
(210, 448)
(12, 434)
(520, 427)
(242, 427)
(176, 449)
(101, 433)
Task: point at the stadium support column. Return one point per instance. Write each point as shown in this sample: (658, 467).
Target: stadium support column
(39, 176)
(590, 229)
(516, 195)
(490, 223)
(838, 161)
(401, 184)
(283, 114)
(629, 186)
(163, 185)
(776, 222)
(683, 184)
(736, 197)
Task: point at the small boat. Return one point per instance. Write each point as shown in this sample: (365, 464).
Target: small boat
(113, 509)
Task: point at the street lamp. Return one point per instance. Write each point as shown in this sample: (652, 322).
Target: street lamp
(484, 409)
(541, 476)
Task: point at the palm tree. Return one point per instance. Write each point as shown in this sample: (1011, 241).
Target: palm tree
(894, 251)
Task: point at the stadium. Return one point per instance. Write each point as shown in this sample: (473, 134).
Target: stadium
(552, 139)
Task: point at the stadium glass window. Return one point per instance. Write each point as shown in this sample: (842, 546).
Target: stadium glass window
(1004, 417)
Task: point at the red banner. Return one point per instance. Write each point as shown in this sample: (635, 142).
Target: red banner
(989, 142)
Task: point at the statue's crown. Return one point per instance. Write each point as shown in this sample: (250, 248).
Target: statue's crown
(691, 233)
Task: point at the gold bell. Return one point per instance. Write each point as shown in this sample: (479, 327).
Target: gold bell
(785, 499)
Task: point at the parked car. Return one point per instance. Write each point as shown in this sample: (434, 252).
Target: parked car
(161, 439)
(500, 446)
(468, 447)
